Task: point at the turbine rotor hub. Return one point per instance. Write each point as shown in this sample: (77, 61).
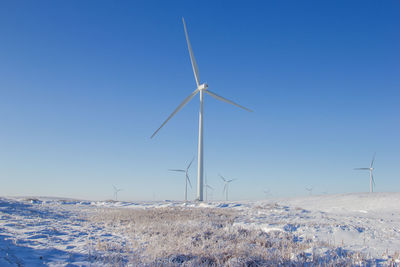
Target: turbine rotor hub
(203, 86)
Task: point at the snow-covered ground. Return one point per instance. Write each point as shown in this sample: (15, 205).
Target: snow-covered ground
(62, 232)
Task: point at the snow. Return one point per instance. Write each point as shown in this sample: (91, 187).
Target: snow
(59, 232)
(365, 222)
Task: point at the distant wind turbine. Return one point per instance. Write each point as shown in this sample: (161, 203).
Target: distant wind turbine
(201, 89)
(371, 176)
(309, 189)
(116, 190)
(267, 193)
(226, 186)
(187, 179)
(207, 187)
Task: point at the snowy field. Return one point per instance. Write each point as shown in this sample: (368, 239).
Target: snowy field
(326, 230)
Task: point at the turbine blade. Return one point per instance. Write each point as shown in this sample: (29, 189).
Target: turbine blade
(184, 102)
(231, 180)
(192, 59)
(187, 177)
(209, 187)
(189, 164)
(223, 191)
(225, 100)
(361, 169)
(373, 180)
(373, 159)
(222, 177)
(173, 170)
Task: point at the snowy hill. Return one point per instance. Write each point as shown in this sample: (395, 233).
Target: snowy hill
(359, 229)
(360, 202)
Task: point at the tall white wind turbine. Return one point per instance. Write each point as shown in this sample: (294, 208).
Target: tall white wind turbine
(200, 88)
(371, 175)
(116, 190)
(187, 179)
(226, 186)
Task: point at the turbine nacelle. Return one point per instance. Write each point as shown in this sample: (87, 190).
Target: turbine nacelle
(203, 86)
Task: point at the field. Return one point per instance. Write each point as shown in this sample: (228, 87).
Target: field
(327, 230)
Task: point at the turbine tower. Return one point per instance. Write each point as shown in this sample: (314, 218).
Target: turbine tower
(371, 176)
(201, 89)
(186, 171)
(226, 186)
(116, 190)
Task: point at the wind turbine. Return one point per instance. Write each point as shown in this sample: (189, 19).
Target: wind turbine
(186, 171)
(267, 193)
(201, 89)
(371, 176)
(226, 186)
(207, 187)
(116, 190)
(309, 189)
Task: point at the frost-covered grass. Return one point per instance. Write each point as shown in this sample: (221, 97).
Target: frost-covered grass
(329, 230)
(208, 237)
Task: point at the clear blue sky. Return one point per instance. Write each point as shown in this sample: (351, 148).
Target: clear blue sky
(83, 85)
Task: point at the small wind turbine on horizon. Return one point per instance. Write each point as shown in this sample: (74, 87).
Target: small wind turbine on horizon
(309, 189)
(116, 190)
(371, 175)
(267, 193)
(226, 186)
(187, 179)
(201, 89)
(207, 187)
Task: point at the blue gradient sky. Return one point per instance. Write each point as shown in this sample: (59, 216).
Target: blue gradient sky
(83, 85)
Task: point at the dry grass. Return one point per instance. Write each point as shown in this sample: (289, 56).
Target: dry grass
(181, 236)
